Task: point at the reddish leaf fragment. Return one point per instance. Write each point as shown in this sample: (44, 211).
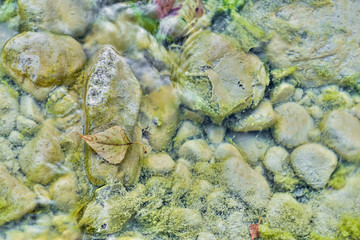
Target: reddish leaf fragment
(254, 230)
(163, 7)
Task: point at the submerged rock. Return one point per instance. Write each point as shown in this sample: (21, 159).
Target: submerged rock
(30, 109)
(40, 157)
(245, 182)
(160, 163)
(9, 110)
(70, 17)
(293, 126)
(286, 214)
(277, 160)
(111, 209)
(195, 151)
(160, 116)
(341, 132)
(187, 130)
(39, 61)
(314, 164)
(64, 192)
(217, 79)
(262, 117)
(112, 98)
(15, 198)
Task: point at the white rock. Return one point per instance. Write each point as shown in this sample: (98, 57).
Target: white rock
(159, 163)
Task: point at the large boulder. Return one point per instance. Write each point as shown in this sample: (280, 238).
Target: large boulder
(38, 61)
(218, 79)
(112, 98)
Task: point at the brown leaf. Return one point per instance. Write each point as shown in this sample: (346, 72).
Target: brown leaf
(111, 144)
(254, 230)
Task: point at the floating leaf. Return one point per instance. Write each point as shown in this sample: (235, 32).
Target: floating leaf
(111, 144)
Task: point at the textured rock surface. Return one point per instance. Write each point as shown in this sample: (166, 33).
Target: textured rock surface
(9, 110)
(112, 98)
(245, 182)
(15, 198)
(187, 130)
(277, 160)
(262, 117)
(159, 163)
(285, 213)
(64, 192)
(160, 117)
(314, 164)
(220, 79)
(341, 132)
(71, 17)
(111, 209)
(293, 126)
(39, 60)
(39, 158)
(195, 151)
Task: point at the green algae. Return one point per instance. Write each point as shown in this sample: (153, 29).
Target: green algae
(349, 228)
(280, 73)
(8, 10)
(268, 233)
(337, 180)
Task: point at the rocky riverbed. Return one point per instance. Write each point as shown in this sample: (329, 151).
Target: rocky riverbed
(234, 111)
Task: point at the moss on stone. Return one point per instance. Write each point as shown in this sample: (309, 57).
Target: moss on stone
(267, 233)
(349, 228)
(337, 180)
(281, 73)
(8, 10)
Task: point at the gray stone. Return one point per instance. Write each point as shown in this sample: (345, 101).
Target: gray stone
(195, 151)
(293, 126)
(245, 182)
(187, 130)
(231, 80)
(15, 198)
(70, 17)
(30, 109)
(111, 209)
(26, 125)
(113, 98)
(15, 138)
(5, 34)
(215, 133)
(252, 145)
(159, 163)
(40, 157)
(262, 117)
(9, 109)
(64, 192)
(286, 214)
(282, 93)
(62, 102)
(277, 160)
(341, 132)
(314, 164)
(39, 61)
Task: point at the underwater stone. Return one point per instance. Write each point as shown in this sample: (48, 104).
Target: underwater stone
(277, 160)
(113, 98)
(245, 182)
(262, 117)
(160, 116)
(64, 192)
(206, 236)
(314, 164)
(30, 109)
(66, 17)
(15, 198)
(341, 132)
(186, 131)
(40, 157)
(293, 126)
(286, 214)
(6, 153)
(9, 109)
(252, 145)
(26, 125)
(215, 133)
(61, 102)
(195, 151)
(159, 163)
(38, 61)
(218, 79)
(282, 93)
(111, 209)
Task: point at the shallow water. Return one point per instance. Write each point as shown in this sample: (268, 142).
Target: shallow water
(200, 117)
